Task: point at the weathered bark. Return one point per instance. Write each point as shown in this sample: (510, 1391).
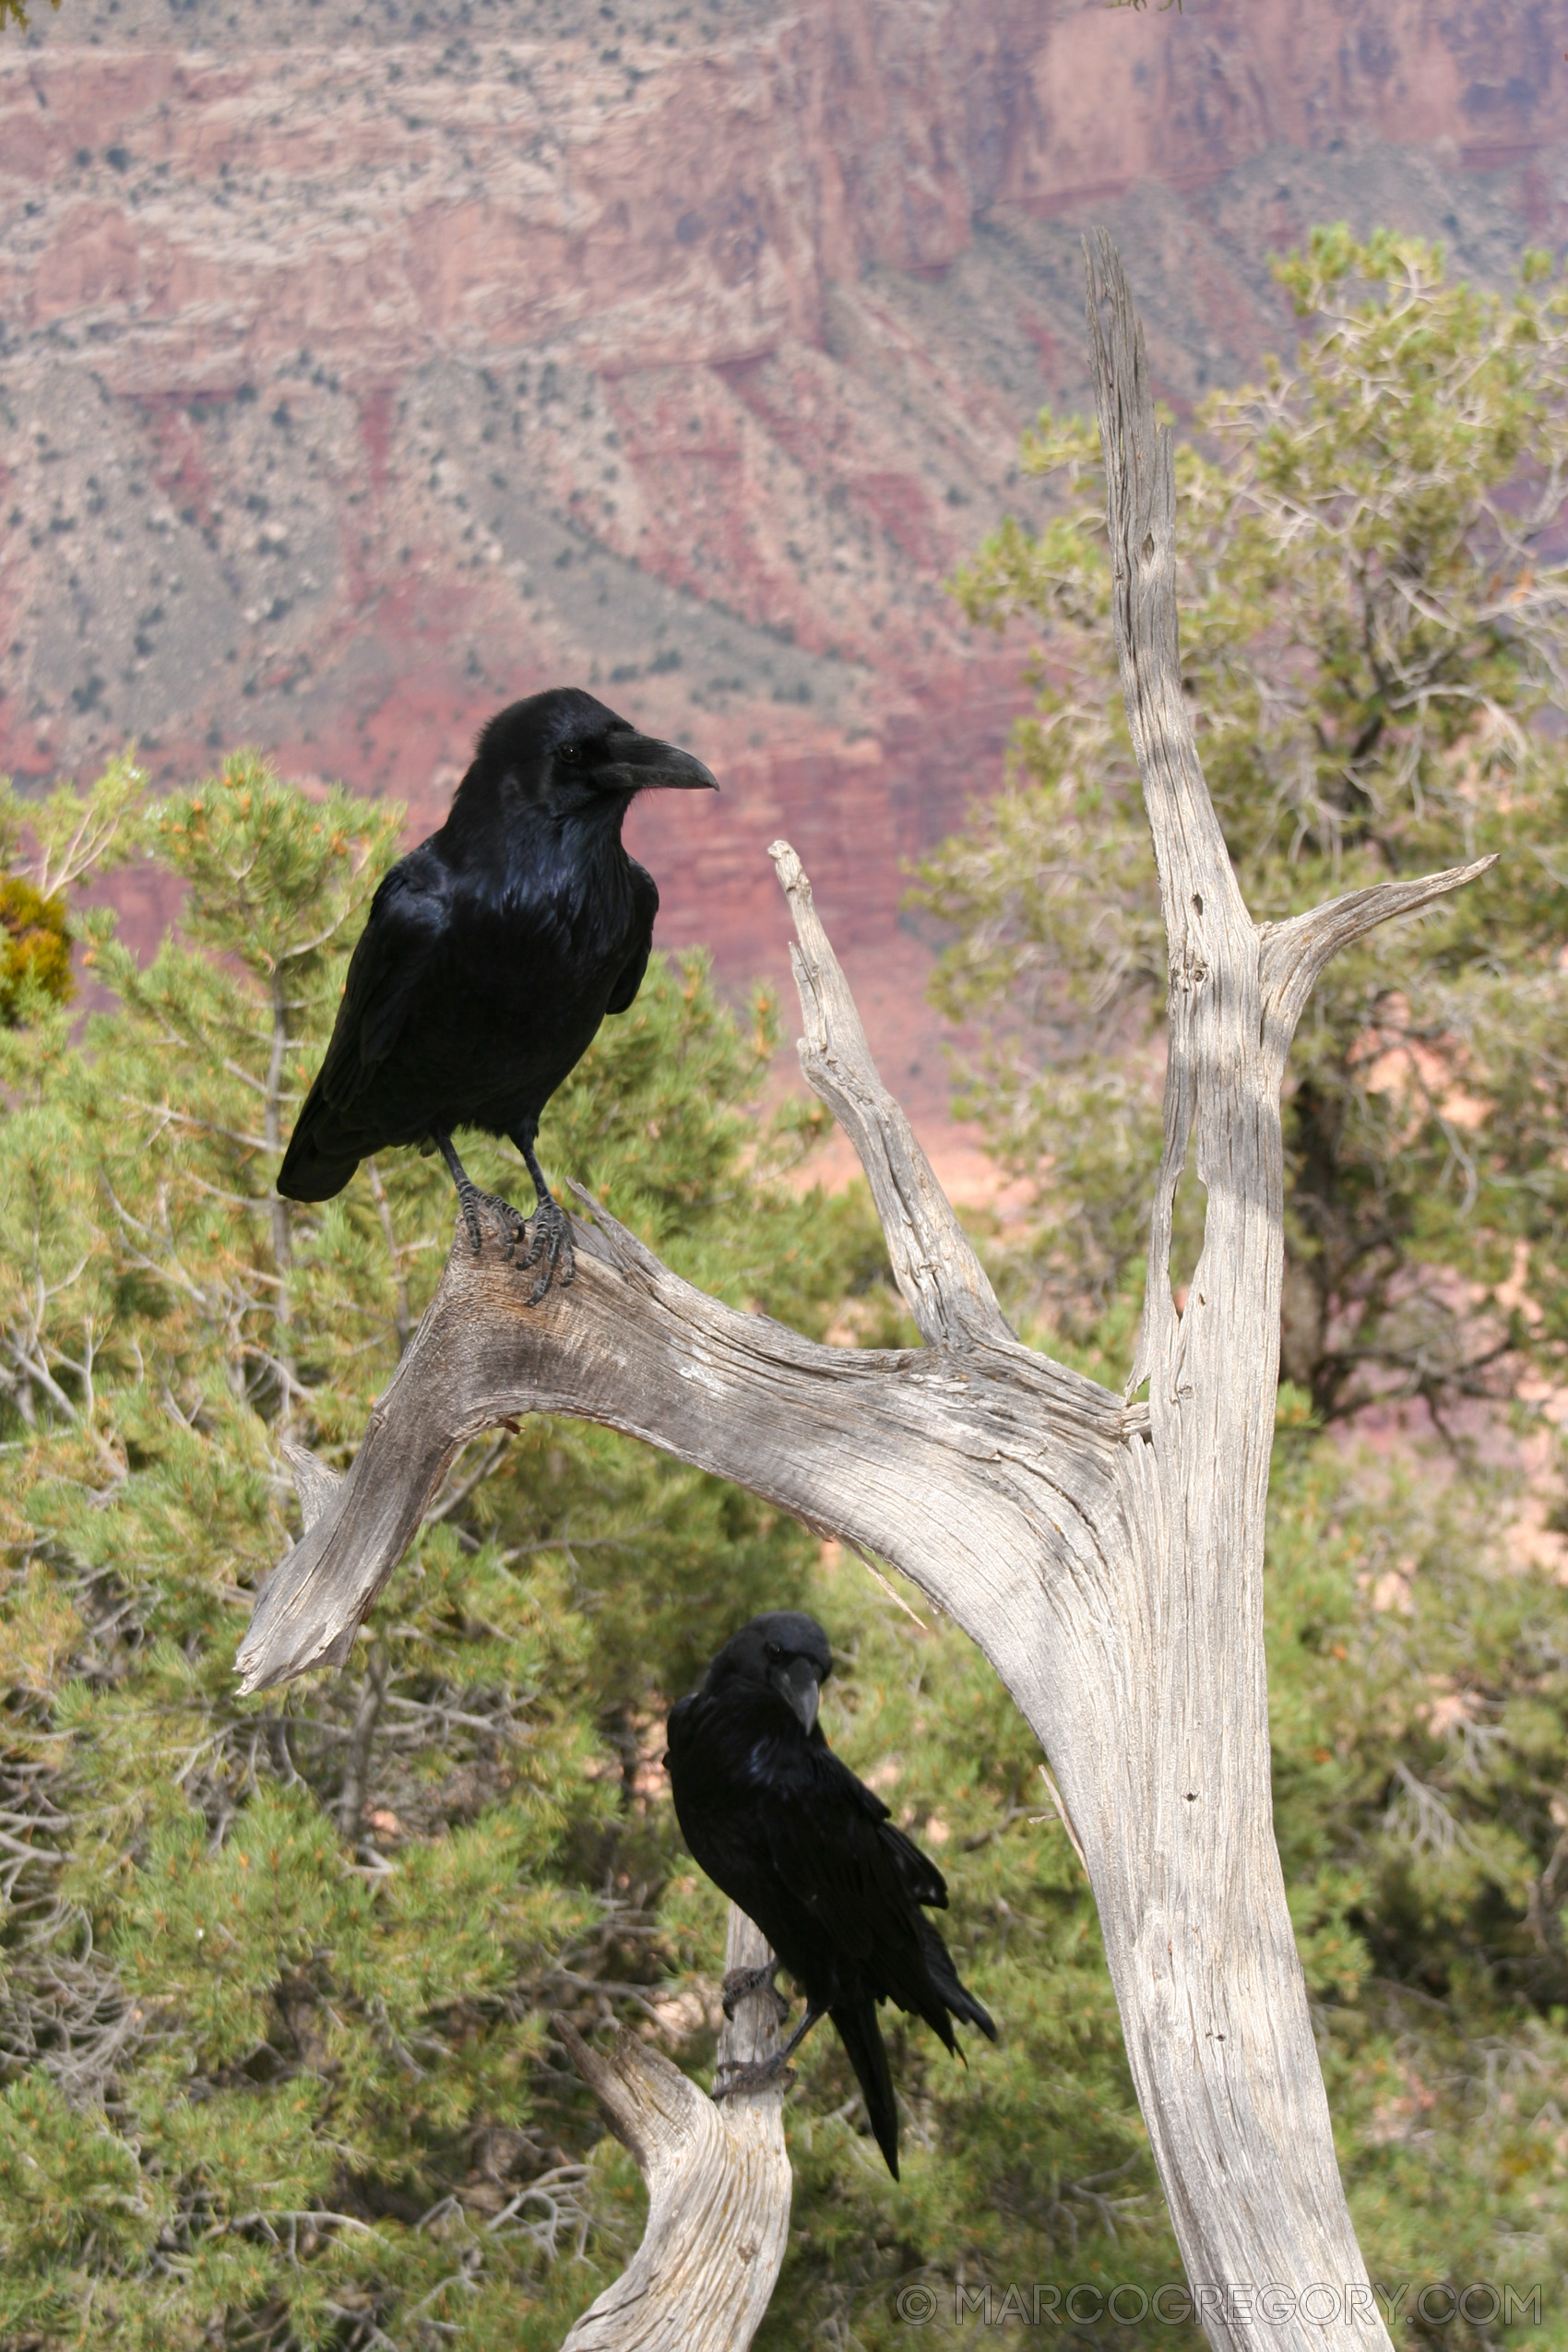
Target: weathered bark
(718, 2184)
(1105, 1553)
(1187, 1876)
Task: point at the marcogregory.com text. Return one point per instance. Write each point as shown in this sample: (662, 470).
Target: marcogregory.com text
(1438, 2302)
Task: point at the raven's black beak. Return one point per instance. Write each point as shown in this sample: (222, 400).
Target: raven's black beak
(639, 764)
(798, 1683)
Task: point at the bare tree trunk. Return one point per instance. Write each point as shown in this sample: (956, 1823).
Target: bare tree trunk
(1104, 1552)
(356, 1767)
(718, 2184)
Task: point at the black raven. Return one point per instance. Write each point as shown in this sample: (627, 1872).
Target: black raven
(810, 1854)
(492, 954)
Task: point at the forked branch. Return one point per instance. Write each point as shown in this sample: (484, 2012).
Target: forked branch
(1296, 952)
(1198, 1934)
(945, 1285)
(718, 2182)
(854, 1442)
(1106, 1555)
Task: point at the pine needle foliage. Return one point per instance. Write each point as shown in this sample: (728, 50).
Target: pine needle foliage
(278, 1973)
(14, 12)
(275, 2069)
(1374, 617)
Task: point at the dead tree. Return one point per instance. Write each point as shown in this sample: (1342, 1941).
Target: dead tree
(718, 2182)
(1104, 1550)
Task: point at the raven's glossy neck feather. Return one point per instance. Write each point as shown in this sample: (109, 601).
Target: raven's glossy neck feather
(540, 852)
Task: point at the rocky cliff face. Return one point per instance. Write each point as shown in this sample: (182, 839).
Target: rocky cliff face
(364, 365)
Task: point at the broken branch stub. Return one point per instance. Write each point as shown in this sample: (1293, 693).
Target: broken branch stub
(718, 2178)
(841, 1437)
(1106, 1554)
(944, 1286)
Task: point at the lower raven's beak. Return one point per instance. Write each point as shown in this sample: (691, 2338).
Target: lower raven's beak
(639, 764)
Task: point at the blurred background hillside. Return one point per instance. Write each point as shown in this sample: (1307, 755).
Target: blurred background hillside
(364, 365)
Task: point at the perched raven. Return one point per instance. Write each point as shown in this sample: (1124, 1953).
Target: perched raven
(493, 952)
(809, 1853)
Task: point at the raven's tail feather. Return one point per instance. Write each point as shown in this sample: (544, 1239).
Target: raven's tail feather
(305, 1176)
(308, 1173)
(861, 2036)
(955, 1996)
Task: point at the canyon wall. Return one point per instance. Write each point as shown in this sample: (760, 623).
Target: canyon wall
(362, 367)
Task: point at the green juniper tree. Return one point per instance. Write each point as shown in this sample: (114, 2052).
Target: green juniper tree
(1374, 638)
(275, 2065)
(278, 1975)
(275, 2062)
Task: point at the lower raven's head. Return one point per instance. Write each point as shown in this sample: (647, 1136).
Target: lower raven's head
(564, 752)
(783, 1651)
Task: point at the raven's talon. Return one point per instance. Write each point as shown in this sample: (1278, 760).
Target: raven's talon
(753, 2074)
(512, 1221)
(742, 1981)
(551, 1239)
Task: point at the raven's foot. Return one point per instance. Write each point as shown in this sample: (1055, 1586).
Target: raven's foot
(754, 2075)
(742, 1981)
(551, 1240)
(470, 1200)
(514, 1225)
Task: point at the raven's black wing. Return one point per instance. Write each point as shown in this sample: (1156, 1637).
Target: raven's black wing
(386, 970)
(392, 962)
(862, 1880)
(645, 895)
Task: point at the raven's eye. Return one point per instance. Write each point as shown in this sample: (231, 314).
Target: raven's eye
(774, 1652)
(568, 752)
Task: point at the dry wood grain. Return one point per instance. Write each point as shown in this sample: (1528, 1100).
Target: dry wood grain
(718, 2184)
(1104, 1552)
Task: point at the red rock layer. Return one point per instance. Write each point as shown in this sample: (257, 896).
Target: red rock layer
(358, 384)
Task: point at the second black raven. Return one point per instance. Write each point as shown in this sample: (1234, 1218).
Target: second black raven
(492, 954)
(811, 1855)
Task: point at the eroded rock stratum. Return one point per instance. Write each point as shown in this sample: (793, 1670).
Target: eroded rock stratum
(364, 364)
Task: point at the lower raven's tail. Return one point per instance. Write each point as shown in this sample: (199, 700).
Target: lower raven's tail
(861, 2036)
(952, 1995)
